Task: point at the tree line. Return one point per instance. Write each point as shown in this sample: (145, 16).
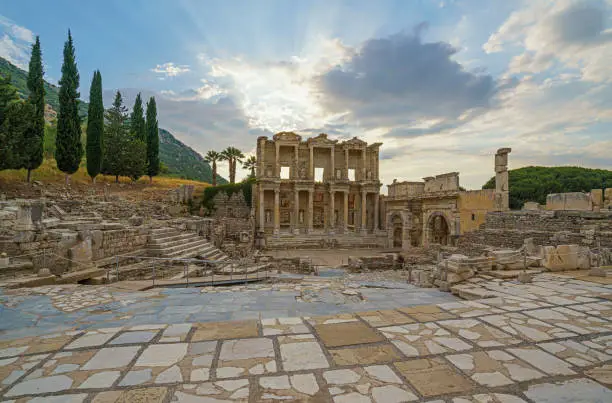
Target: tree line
(117, 144)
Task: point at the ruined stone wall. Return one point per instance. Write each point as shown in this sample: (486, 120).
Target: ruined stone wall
(510, 229)
(442, 183)
(473, 206)
(110, 243)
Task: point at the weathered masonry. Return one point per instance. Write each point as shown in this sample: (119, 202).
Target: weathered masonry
(317, 186)
(438, 211)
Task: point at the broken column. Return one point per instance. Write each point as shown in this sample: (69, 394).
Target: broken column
(502, 194)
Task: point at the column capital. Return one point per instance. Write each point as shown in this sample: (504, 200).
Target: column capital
(276, 191)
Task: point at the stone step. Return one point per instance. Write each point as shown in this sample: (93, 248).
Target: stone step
(170, 237)
(187, 252)
(162, 251)
(182, 240)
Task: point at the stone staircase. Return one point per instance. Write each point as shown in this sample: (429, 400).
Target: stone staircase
(172, 243)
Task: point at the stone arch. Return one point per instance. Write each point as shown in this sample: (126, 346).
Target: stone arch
(398, 226)
(438, 229)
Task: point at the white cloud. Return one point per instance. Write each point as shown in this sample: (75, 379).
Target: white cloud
(170, 69)
(15, 42)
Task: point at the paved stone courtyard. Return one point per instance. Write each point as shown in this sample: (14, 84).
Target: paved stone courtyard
(548, 341)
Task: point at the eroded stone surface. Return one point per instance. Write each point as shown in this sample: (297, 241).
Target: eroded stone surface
(384, 318)
(365, 355)
(246, 357)
(346, 334)
(479, 333)
(526, 327)
(418, 339)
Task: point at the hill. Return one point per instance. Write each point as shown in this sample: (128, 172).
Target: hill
(182, 161)
(534, 183)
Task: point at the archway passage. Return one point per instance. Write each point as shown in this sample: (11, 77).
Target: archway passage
(398, 230)
(438, 229)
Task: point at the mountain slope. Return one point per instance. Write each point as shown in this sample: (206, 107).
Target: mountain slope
(182, 161)
(534, 183)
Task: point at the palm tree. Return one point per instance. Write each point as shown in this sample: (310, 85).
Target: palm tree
(250, 163)
(232, 155)
(212, 157)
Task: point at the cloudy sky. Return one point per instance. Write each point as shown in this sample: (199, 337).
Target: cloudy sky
(441, 83)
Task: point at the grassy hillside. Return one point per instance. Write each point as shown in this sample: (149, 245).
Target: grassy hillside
(182, 161)
(534, 183)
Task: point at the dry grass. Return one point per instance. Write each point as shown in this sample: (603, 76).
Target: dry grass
(13, 182)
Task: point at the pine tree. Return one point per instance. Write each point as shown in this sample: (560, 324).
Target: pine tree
(95, 127)
(31, 141)
(137, 121)
(69, 149)
(152, 140)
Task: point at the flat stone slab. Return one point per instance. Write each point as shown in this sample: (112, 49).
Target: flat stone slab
(420, 339)
(572, 320)
(246, 357)
(225, 330)
(470, 309)
(426, 313)
(527, 328)
(346, 334)
(433, 376)
(134, 337)
(479, 333)
(572, 391)
(384, 318)
(301, 352)
(365, 355)
(149, 395)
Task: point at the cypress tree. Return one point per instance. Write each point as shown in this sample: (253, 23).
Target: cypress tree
(95, 127)
(31, 142)
(152, 140)
(137, 121)
(115, 133)
(12, 123)
(68, 150)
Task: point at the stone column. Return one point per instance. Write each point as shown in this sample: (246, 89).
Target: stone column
(376, 196)
(296, 168)
(261, 163)
(364, 216)
(502, 194)
(332, 212)
(363, 169)
(277, 164)
(262, 215)
(296, 212)
(333, 164)
(311, 163)
(276, 211)
(345, 212)
(310, 210)
(346, 162)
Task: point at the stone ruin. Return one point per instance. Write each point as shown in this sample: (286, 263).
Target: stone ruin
(234, 206)
(182, 195)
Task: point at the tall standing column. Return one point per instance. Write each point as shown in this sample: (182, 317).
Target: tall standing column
(332, 212)
(363, 161)
(364, 216)
(310, 210)
(333, 163)
(276, 211)
(345, 211)
(311, 163)
(277, 164)
(376, 212)
(296, 212)
(502, 194)
(346, 162)
(262, 216)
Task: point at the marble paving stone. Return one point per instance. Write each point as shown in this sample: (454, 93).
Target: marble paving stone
(91, 339)
(531, 329)
(384, 318)
(494, 368)
(359, 384)
(301, 352)
(134, 337)
(602, 309)
(577, 353)
(487, 398)
(170, 363)
(469, 309)
(145, 395)
(603, 343)
(331, 319)
(346, 334)
(283, 326)
(602, 374)
(513, 303)
(176, 333)
(299, 387)
(13, 368)
(35, 386)
(572, 320)
(426, 313)
(107, 358)
(236, 390)
(380, 353)
(567, 299)
(34, 345)
(580, 390)
(100, 380)
(542, 360)
(419, 339)
(433, 377)
(225, 330)
(71, 398)
(479, 333)
(245, 357)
